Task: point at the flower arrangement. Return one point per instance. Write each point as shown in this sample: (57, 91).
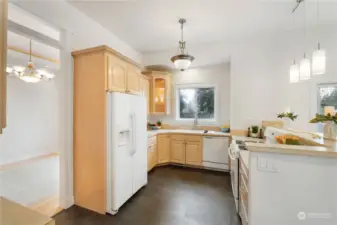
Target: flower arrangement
(292, 116)
(320, 118)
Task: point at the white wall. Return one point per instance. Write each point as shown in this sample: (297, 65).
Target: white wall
(86, 32)
(259, 80)
(260, 85)
(218, 75)
(32, 121)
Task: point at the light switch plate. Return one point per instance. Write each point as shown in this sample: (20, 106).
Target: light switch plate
(268, 165)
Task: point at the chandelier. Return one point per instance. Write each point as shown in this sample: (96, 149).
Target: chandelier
(29, 73)
(183, 60)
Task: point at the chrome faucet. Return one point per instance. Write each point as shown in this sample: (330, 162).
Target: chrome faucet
(195, 124)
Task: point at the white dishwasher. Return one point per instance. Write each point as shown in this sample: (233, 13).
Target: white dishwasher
(215, 152)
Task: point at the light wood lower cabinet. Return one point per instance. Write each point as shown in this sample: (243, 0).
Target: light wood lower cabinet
(178, 151)
(194, 153)
(152, 157)
(163, 149)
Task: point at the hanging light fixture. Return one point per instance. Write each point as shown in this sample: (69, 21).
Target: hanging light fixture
(305, 69)
(294, 73)
(182, 61)
(29, 73)
(318, 56)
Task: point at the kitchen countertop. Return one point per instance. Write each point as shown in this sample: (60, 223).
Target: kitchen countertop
(244, 156)
(191, 132)
(328, 149)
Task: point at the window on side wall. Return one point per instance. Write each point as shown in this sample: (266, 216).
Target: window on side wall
(196, 101)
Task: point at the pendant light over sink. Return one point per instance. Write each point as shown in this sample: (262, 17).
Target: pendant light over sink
(183, 60)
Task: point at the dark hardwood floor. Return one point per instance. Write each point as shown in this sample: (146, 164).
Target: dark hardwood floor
(173, 196)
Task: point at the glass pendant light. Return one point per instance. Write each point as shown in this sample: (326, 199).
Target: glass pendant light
(305, 69)
(318, 56)
(318, 61)
(30, 74)
(182, 61)
(294, 73)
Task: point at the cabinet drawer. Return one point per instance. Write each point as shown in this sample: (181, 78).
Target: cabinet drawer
(151, 141)
(197, 138)
(178, 137)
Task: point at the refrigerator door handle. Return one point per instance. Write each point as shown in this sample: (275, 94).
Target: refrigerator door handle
(135, 132)
(132, 133)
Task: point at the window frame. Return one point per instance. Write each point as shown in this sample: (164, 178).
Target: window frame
(319, 126)
(200, 121)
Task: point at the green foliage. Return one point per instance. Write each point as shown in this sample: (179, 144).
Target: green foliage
(324, 118)
(255, 129)
(289, 115)
(159, 123)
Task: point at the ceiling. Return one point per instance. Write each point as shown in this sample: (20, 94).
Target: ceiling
(18, 45)
(152, 25)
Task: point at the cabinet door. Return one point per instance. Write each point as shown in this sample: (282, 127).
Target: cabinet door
(163, 149)
(145, 91)
(178, 151)
(133, 80)
(194, 153)
(117, 70)
(152, 157)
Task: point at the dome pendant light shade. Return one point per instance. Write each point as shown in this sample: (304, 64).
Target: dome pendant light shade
(318, 61)
(182, 61)
(294, 73)
(305, 69)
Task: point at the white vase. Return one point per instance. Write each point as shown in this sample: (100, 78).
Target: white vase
(330, 130)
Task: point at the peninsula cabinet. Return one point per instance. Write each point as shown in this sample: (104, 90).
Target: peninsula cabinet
(3, 64)
(96, 71)
(163, 149)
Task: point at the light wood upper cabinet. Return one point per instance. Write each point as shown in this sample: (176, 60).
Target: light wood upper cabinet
(145, 91)
(117, 74)
(3, 62)
(194, 153)
(133, 80)
(178, 151)
(160, 92)
(163, 148)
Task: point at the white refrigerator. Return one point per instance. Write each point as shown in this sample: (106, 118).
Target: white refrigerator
(126, 148)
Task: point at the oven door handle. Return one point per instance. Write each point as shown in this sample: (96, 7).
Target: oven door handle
(230, 154)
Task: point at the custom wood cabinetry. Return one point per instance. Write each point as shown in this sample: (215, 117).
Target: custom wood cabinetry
(117, 72)
(133, 80)
(178, 151)
(163, 149)
(145, 90)
(96, 71)
(152, 153)
(3, 62)
(160, 92)
(194, 153)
